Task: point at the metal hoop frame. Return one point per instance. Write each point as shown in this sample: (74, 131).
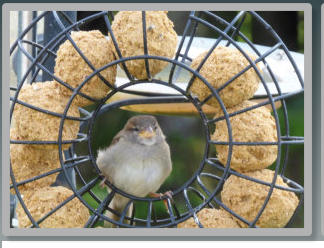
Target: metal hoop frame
(209, 198)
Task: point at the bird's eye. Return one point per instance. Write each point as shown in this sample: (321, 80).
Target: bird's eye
(135, 129)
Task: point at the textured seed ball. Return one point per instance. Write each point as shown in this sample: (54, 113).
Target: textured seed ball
(161, 39)
(28, 162)
(34, 125)
(256, 125)
(246, 198)
(221, 66)
(41, 201)
(72, 68)
(211, 218)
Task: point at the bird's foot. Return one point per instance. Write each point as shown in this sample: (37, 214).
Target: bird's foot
(102, 183)
(168, 194)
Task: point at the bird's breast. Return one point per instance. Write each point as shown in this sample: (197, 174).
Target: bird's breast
(136, 169)
(141, 173)
(140, 178)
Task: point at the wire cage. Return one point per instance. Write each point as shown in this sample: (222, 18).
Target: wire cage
(39, 53)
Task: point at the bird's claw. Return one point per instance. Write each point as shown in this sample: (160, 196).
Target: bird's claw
(168, 194)
(102, 184)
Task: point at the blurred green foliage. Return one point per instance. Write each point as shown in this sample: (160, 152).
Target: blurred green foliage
(300, 31)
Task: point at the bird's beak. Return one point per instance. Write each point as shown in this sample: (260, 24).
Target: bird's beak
(147, 133)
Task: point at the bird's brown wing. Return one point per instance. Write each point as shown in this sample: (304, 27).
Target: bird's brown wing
(117, 137)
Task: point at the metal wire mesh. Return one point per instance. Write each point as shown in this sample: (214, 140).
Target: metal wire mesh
(69, 159)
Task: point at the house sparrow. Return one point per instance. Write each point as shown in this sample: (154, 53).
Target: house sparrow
(137, 161)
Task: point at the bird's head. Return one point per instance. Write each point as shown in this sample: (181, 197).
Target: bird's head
(144, 129)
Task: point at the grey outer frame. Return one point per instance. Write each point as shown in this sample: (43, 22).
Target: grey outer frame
(306, 231)
(322, 118)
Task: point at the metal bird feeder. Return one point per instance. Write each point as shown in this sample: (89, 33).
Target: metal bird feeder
(271, 91)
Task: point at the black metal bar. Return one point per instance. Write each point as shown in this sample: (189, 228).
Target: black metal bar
(193, 32)
(147, 66)
(48, 173)
(191, 209)
(77, 160)
(36, 177)
(45, 111)
(68, 19)
(201, 184)
(292, 61)
(256, 143)
(123, 214)
(210, 175)
(237, 28)
(44, 60)
(112, 36)
(177, 212)
(34, 36)
(95, 217)
(200, 195)
(259, 59)
(36, 45)
(30, 26)
(191, 37)
(105, 81)
(186, 57)
(92, 194)
(297, 189)
(51, 28)
(132, 219)
(146, 100)
(39, 65)
(170, 211)
(226, 30)
(66, 201)
(223, 206)
(32, 142)
(180, 47)
(301, 201)
(23, 205)
(154, 215)
(149, 213)
(275, 99)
